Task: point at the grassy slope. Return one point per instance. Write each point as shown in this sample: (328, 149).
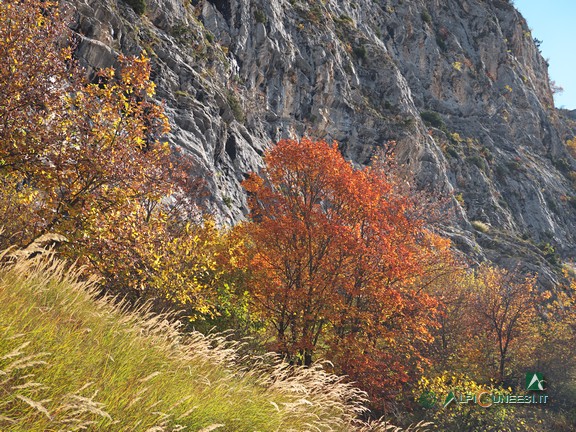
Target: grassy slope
(69, 362)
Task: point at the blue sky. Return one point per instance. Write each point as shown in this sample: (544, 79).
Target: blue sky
(554, 23)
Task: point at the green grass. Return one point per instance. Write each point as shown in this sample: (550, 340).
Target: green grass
(71, 362)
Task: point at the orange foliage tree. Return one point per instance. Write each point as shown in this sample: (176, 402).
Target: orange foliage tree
(339, 262)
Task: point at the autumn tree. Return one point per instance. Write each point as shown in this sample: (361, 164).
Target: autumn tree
(452, 292)
(339, 262)
(33, 82)
(72, 150)
(494, 327)
(505, 311)
(557, 350)
(489, 323)
(83, 158)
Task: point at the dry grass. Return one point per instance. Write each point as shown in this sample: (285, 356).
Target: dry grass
(70, 362)
(480, 226)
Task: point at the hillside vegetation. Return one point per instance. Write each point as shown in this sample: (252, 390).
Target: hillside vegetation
(342, 271)
(70, 362)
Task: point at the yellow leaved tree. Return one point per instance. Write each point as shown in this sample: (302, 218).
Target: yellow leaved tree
(84, 159)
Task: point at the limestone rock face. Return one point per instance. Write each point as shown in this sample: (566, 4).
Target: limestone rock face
(458, 84)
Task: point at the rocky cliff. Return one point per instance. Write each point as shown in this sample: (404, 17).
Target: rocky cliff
(458, 84)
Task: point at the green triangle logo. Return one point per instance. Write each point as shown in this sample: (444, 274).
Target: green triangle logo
(534, 381)
(449, 399)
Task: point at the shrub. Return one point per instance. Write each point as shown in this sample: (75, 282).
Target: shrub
(315, 14)
(179, 30)
(181, 93)
(487, 154)
(441, 44)
(426, 17)
(450, 150)
(346, 19)
(260, 16)
(562, 165)
(455, 137)
(360, 52)
(236, 107)
(571, 146)
(549, 253)
(139, 6)
(432, 118)
(478, 161)
(514, 165)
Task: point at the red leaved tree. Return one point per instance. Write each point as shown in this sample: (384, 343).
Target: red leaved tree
(339, 261)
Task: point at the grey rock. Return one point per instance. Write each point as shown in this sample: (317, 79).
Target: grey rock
(238, 75)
